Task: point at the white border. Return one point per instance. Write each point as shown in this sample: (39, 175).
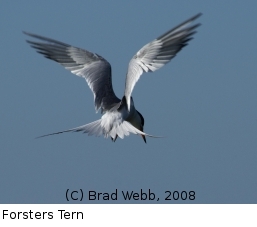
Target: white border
(136, 215)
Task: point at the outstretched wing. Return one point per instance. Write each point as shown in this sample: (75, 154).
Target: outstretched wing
(157, 53)
(94, 68)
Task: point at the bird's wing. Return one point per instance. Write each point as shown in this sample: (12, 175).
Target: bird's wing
(157, 53)
(94, 68)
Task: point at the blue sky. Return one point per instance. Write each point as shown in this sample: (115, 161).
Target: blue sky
(204, 103)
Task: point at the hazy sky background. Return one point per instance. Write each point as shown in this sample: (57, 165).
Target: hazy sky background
(204, 102)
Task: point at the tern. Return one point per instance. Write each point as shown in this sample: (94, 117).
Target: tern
(119, 116)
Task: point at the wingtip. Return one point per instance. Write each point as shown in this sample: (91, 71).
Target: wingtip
(27, 33)
(198, 15)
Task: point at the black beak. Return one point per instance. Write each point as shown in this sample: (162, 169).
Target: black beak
(143, 136)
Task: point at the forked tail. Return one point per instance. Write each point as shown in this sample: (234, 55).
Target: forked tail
(95, 128)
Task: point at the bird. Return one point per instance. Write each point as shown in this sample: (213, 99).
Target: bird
(119, 116)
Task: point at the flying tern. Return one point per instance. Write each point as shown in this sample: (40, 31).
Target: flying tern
(119, 116)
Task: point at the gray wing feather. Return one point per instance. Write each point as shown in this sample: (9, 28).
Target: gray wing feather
(94, 68)
(157, 53)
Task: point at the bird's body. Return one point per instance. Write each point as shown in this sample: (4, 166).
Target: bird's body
(120, 116)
